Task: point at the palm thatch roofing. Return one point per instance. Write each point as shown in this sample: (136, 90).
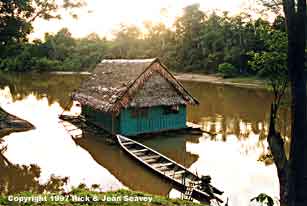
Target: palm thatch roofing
(117, 84)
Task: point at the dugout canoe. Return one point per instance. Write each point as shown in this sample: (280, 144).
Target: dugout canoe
(185, 180)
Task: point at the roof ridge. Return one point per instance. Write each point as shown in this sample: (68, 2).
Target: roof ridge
(128, 60)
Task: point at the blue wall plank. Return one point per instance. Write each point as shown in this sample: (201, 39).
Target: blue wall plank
(126, 124)
(101, 119)
(154, 121)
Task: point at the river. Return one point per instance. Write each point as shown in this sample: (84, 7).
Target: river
(238, 116)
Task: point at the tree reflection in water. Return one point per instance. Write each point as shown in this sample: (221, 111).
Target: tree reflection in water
(126, 169)
(238, 116)
(20, 178)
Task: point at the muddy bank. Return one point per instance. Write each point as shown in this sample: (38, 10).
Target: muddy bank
(245, 82)
(10, 123)
(70, 73)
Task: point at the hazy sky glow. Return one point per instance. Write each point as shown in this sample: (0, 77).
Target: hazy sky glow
(106, 15)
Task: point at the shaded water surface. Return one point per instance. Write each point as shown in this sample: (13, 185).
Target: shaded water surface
(237, 116)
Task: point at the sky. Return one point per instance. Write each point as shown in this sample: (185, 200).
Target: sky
(104, 16)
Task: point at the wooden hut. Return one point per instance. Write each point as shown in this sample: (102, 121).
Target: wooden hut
(132, 97)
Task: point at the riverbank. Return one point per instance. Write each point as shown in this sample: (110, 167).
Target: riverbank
(10, 123)
(244, 82)
(80, 197)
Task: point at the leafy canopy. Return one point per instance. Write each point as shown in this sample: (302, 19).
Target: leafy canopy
(17, 16)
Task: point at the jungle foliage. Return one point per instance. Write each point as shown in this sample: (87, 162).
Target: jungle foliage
(198, 42)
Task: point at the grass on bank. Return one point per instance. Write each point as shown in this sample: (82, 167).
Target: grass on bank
(96, 198)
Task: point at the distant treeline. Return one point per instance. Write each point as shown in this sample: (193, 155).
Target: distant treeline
(197, 43)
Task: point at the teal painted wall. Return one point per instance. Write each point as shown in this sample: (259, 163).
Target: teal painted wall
(101, 119)
(154, 121)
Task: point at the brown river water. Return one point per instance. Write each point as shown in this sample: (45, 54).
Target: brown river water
(238, 116)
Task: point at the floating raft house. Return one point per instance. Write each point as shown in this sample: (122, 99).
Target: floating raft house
(132, 97)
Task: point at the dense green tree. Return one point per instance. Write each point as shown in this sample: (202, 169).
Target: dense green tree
(59, 46)
(17, 16)
(212, 43)
(188, 30)
(160, 41)
(16, 21)
(280, 23)
(57, 52)
(271, 64)
(66, 53)
(14, 24)
(294, 169)
(196, 43)
(90, 50)
(227, 70)
(127, 43)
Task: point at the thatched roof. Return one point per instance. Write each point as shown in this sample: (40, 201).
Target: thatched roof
(117, 84)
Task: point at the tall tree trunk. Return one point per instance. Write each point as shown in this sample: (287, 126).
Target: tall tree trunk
(296, 16)
(276, 144)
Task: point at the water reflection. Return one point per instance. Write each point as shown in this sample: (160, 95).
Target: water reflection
(56, 88)
(130, 172)
(50, 147)
(16, 178)
(238, 173)
(122, 167)
(248, 105)
(237, 116)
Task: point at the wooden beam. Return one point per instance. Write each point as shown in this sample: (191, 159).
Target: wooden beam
(150, 157)
(113, 124)
(138, 150)
(151, 160)
(158, 165)
(128, 143)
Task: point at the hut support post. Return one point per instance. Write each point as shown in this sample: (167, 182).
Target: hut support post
(113, 124)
